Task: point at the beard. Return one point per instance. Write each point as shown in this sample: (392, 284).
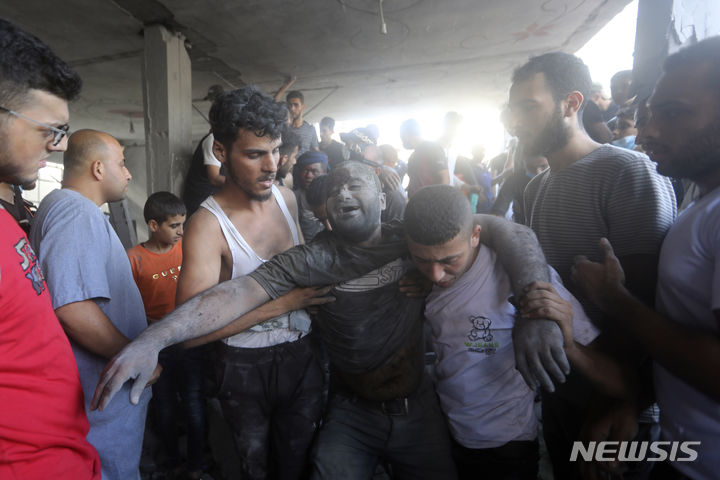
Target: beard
(14, 173)
(552, 138)
(697, 157)
(246, 186)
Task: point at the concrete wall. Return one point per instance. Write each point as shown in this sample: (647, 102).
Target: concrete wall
(137, 191)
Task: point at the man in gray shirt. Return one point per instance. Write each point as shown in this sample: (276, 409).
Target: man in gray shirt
(92, 288)
(308, 136)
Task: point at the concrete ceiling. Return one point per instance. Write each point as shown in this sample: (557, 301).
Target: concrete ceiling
(443, 53)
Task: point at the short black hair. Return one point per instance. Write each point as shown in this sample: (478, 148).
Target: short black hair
(437, 214)
(295, 94)
(564, 74)
(249, 109)
(704, 52)
(290, 140)
(27, 63)
(328, 122)
(316, 193)
(162, 205)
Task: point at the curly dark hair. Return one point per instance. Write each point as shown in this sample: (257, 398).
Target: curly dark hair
(248, 109)
(27, 63)
(564, 74)
(437, 214)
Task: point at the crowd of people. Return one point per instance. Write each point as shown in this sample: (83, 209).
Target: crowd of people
(354, 328)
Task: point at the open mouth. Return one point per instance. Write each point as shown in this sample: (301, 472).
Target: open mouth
(345, 210)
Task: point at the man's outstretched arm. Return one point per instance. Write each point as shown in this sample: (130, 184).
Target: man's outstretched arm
(539, 353)
(202, 314)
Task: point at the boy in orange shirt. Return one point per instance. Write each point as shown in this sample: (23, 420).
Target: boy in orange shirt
(156, 265)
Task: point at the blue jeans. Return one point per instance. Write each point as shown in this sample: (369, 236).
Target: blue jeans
(183, 374)
(355, 436)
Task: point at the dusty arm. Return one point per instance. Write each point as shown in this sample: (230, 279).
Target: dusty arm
(202, 314)
(539, 353)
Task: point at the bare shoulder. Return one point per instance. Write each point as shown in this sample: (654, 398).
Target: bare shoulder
(290, 200)
(202, 232)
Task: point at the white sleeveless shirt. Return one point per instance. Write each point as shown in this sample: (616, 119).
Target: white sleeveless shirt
(245, 260)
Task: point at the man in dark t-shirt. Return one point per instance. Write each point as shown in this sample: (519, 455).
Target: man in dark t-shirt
(382, 404)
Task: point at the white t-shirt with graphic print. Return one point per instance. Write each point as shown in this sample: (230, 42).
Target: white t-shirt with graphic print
(484, 397)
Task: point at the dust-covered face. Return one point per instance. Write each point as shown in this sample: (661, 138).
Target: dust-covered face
(354, 202)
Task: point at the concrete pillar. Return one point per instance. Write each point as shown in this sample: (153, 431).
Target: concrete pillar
(167, 98)
(663, 26)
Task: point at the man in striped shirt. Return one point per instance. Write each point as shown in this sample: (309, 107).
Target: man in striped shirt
(590, 191)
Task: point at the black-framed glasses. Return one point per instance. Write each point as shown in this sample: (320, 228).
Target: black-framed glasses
(58, 132)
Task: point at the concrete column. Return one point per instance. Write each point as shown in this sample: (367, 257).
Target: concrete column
(167, 98)
(663, 26)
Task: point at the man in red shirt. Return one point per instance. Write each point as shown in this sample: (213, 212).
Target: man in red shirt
(43, 424)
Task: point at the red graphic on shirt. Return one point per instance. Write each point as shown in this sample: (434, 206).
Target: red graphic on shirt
(30, 266)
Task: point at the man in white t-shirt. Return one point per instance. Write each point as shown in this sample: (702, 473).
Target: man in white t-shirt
(682, 335)
(490, 408)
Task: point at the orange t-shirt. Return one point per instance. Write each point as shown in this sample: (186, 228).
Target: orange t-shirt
(156, 276)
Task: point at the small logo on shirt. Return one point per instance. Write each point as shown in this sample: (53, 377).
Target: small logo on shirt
(480, 336)
(385, 275)
(173, 273)
(29, 265)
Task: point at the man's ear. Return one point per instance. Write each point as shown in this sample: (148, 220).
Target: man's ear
(218, 150)
(573, 101)
(475, 236)
(97, 170)
(153, 225)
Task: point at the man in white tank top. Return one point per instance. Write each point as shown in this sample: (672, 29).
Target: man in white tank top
(271, 376)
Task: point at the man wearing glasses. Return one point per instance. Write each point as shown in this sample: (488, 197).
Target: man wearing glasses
(43, 423)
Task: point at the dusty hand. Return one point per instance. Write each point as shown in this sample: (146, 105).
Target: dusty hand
(414, 284)
(599, 280)
(138, 361)
(543, 302)
(299, 298)
(539, 353)
(390, 179)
